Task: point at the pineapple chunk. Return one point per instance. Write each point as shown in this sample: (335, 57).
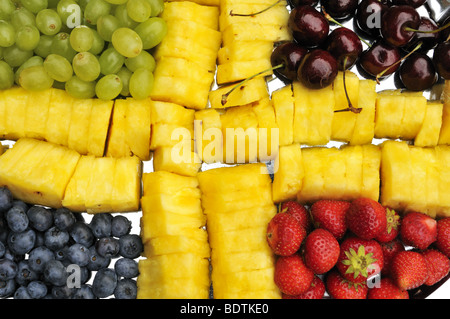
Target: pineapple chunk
(288, 177)
(234, 71)
(59, 117)
(167, 158)
(16, 101)
(126, 190)
(414, 114)
(37, 113)
(431, 126)
(40, 173)
(353, 161)
(191, 11)
(171, 113)
(313, 180)
(245, 51)
(163, 182)
(432, 182)
(283, 104)
(245, 31)
(418, 175)
(228, 263)
(240, 240)
(138, 127)
(370, 186)
(208, 135)
(268, 131)
(443, 166)
(99, 191)
(179, 288)
(98, 126)
(3, 130)
(334, 175)
(116, 146)
(169, 203)
(390, 108)
(178, 244)
(79, 126)
(363, 133)
(174, 67)
(261, 294)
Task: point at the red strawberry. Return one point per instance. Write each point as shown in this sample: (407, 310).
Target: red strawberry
(438, 266)
(298, 211)
(443, 236)
(291, 276)
(366, 218)
(418, 230)
(359, 259)
(389, 250)
(285, 234)
(387, 290)
(321, 251)
(392, 227)
(340, 288)
(316, 291)
(330, 215)
(409, 270)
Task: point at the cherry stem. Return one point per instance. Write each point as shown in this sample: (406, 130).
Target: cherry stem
(428, 31)
(255, 13)
(225, 96)
(379, 75)
(331, 19)
(349, 102)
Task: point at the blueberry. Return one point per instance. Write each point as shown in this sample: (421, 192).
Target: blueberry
(25, 274)
(126, 267)
(120, 226)
(40, 239)
(2, 249)
(4, 230)
(8, 269)
(84, 292)
(22, 242)
(62, 292)
(6, 199)
(81, 233)
(86, 275)
(101, 225)
(64, 218)
(7, 288)
(105, 282)
(24, 206)
(22, 293)
(39, 257)
(55, 239)
(55, 273)
(17, 219)
(37, 289)
(126, 289)
(78, 254)
(131, 246)
(96, 261)
(61, 254)
(40, 218)
(108, 247)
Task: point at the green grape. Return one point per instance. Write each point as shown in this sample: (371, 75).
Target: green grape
(6, 76)
(34, 60)
(7, 34)
(81, 38)
(127, 42)
(27, 37)
(139, 10)
(34, 5)
(6, 9)
(52, 4)
(35, 78)
(152, 32)
(108, 87)
(124, 74)
(98, 44)
(1, 53)
(110, 61)
(143, 60)
(86, 66)
(44, 46)
(80, 89)
(106, 25)
(141, 83)
(157, 7)
(121, 13)
(22, 16)
(61, 45)
(65, 9)
(95, 9)
(48, 22)
(15, 57)
(117, 2)
(58, 67)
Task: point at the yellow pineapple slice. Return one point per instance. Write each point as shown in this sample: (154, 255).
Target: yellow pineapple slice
(208, 136)
(169, 203)
(283, 104)
(334, 175)
(164, 245)
(138, 127)
(116, 145)
(396, 175)
(288, 177)
(3, 130)
(37, 113)
(370, 186)
(187, 70)
(245, 51)
(228, 263)
(191, 11)
(432, 182)
(79, 125)
(100, 187)
(444, 136)
(126, 191)
(414, 114)
(268, 131)
(213, 3)
(261, 294)
(363, 133)
(223, 203)
(343, 124)
(47, 169)
(234, 71)
(178, 288)
(418, 180)
(59, 117)
(16, 101)
(353, 160)
(163, 182)
(443, 165)
(428, 134)
(98, 126)
(244, 31)
(389, 114)
(171, 159)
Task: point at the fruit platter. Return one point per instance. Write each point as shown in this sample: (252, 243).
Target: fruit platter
(224, 149)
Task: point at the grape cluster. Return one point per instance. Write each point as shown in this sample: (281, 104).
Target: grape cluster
(89, 48)
(399, 40)
(54, 254)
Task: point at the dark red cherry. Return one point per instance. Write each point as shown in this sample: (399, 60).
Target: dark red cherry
(412, 3)
(296, 3)
(309, 27)
(340, 9)
(417, 72)
(444, 34)
(429, 40)
(380, 57)
(345, 45)
(318, 69)
(288, 54)
(441, 59)
(368, 16)
(395, 23)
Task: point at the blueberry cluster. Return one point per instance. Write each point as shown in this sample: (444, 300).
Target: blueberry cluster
(54, 253)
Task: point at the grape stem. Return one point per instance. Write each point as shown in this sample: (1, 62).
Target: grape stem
(225, 96)
(255, 13)
(350, 107)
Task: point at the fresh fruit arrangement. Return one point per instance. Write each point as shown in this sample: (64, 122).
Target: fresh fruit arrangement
(355, 250)
(57, 254)
(97, 49)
